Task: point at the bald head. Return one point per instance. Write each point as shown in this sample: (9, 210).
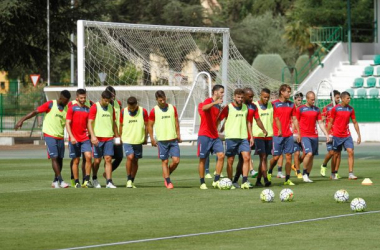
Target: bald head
(310, 98)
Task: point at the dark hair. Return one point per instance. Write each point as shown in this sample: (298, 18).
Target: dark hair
(266, 90)
(284, 87)
(344, 94)
(239, 92)
(65, 93)
(217, 87)
(160, 94)
(248, 89)
(335, 92)
(298, 95)
(81, 91)
(132, 100)
(111, 89)
(106, 95)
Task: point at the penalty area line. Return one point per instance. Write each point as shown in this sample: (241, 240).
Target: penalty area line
(220, 231)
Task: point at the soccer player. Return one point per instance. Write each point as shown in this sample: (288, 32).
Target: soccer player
(283, 112)
(117, 148)
(339, 119)
(208, 137)
(102, 127)
(325, 118)
(53, 129)
(252, 114)
(133, 133)
(79, 142)
(308, 115)
(88, 103)
(297, 146)
(164, 118)
(263, 142)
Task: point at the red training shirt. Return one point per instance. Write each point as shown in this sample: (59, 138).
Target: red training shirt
(326, 112)
(341, 118)
(284, 111)
(79, 118)
(307, 118)
(209, 119)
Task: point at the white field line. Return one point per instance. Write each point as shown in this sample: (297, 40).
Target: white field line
(220, 231)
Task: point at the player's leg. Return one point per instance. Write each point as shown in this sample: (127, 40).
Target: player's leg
(337, 148)
(278, 147)
(130, 155)
(174, 152)
(308, 152)
(328, 157)
(238, 172)
(117, 157)
(163, 152)
(280, 163)
(217, 147)
(87, 159)
(56, 151)
(71, 172)
(349, 146)
(83, 167)
(98, 155)
(74, 154)
(231, 151)
(108, 153)
(246, 159)
(203, 152)
(207, 168)
(288, 150)
(230, 162)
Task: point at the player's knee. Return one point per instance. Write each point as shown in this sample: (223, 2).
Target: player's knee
(131, 157)
(310, 154)
(220, 156)
(175, 161)
(108, 158)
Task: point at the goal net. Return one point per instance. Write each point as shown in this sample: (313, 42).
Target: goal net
(137, 60)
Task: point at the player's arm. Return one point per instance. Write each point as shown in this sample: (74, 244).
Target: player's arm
(177, 129)
(28, 116)
(356, 126)
(94, 139)
(261, 126)
(68, 128)
(278, 124)
(295, 122)
(323, 128)
(249, 129)
(208, 106)
(150, 129)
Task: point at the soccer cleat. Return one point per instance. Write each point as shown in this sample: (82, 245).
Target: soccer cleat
(306, 178)
(64, 184)
(250, 184)
(289, 183)
(268, 184)
(208, 176)
(333, 177)
(259, 184)
(352, 177)
(77, 185)
(170, 186)
(253, 173)
(280, 175)
(215, 184)
(338, 176)
(294, 168)
(236, 185)
(323, 171)
(221, 174)
(110, 185)
(87, 184)
(245, 185)
(55, 184)
(96, 184)
(299, 176)
(203, 186)
(269, 176)
(130, 184)
(72, 183)
(232, 188)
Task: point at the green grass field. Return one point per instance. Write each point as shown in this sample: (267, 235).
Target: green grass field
(35, 216)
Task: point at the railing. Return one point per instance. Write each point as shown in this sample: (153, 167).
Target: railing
(326, 38)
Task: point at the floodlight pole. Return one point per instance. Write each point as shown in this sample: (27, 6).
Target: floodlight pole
(226, 46)
(80, 48)
(48, 42)
(72, 58)
(349, 32)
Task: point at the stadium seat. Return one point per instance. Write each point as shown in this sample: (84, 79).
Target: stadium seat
(368, 71)
(351, 92)
(376, 60)
(361, 93)
(373, 93)
(371, 82)
(377, 71)
(358, 83)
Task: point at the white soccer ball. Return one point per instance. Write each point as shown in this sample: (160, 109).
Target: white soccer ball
(341, 196)
(225, 184)
(358, 205)
(286, 194)
(267, 195)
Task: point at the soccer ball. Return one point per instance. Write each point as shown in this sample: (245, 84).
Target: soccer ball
(341, 196)
(225, 184)
(267, 195)
(286, 194)
(358, 205)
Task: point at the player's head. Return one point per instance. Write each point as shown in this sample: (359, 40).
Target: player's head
(310, 98)
(106, 98)
(248, 95)
(345, 97)
(112, 91)
(132, 104)
(336, 94)
(218, 91)
(285, 91)
(64, 97)
(81, 96)
(264, 96)
(160, 98)
(239, 96)
(298, 97)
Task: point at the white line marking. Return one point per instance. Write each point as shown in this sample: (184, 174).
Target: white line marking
(220, 231)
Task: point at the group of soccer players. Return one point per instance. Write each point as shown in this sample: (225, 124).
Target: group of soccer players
(105, 130)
